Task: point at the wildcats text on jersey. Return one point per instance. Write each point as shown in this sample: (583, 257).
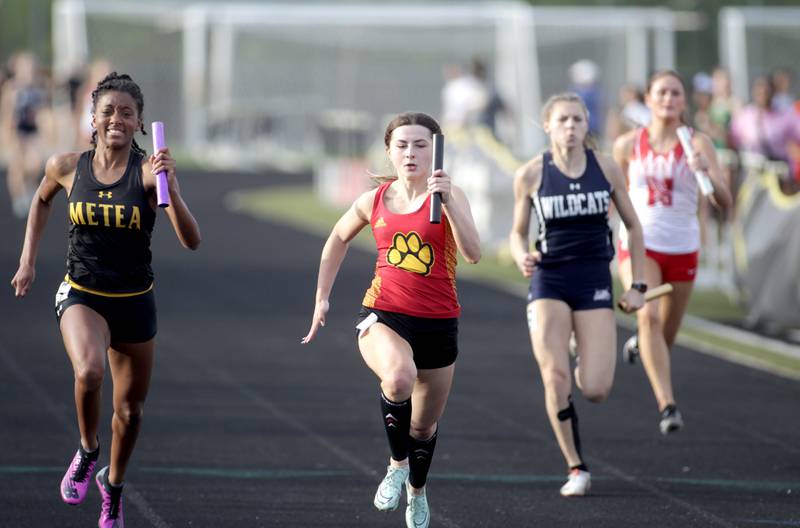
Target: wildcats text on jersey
(106, 215)
(575, 204)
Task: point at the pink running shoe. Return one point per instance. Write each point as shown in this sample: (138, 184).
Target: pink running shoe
(75, 483)
(111, 510)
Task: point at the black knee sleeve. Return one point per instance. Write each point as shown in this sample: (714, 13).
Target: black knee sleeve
(419, 460)
(397, 422)
(570, 414)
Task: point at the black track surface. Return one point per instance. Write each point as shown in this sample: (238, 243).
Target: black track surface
(246, 427)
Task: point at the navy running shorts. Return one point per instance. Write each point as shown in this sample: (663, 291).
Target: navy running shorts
(130, 319)
(433, 341)
(582, 284)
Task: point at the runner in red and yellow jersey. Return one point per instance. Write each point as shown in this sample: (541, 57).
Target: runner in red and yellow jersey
(408, 326)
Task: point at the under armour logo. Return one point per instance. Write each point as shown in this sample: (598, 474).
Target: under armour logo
(602, 295)
(574, 186)
(106, 194)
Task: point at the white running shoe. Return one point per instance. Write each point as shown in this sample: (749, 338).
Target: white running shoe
(630, 350)
(417, 513)
(387, 498)
(578, 483)
(671, 420)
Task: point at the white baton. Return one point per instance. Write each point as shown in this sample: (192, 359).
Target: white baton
(703, 181)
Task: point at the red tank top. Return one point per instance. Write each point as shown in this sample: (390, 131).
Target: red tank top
(415, 273)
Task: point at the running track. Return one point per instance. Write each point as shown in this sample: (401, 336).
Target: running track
(245, 427)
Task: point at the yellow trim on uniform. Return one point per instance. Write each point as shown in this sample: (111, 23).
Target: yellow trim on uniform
(104, 294)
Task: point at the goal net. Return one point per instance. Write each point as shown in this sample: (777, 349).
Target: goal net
(236, 74)
(756, 41)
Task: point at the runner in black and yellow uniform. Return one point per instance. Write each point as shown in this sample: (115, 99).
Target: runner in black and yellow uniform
(106, 303)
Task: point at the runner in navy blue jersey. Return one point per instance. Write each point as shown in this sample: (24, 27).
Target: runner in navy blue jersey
(570, 189)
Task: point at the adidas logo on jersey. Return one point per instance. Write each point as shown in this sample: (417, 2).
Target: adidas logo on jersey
(379, 223)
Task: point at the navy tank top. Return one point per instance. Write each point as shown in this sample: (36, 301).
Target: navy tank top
(573, 213)
(110, 229)
(29, 101)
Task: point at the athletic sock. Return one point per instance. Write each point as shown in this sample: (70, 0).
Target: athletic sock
(419, 460)
(397, 422)
(90, 455)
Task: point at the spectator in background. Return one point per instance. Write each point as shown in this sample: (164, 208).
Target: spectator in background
(5, 76)
(702, 87)
(723, 106)
(795, 148)
(97, 71)
(21, 104)
(464, 98)
(495, 114)
(631, 112)
(783, 99)
(760, 129)
(583, 76)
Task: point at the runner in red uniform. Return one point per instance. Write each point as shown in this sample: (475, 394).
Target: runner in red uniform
(664, 193)
(408, 326)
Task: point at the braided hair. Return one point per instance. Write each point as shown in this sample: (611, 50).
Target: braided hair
(120, 82)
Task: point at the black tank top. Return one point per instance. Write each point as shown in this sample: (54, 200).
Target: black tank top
(573, 213)
(110, 229)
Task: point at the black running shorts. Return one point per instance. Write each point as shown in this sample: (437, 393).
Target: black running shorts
(433, 341)
(131, 319)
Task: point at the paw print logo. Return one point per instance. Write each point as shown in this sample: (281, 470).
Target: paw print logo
(410, 253)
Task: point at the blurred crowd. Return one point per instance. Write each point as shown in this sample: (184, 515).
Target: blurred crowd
(40, 114)
(760, 135)
(751, 137)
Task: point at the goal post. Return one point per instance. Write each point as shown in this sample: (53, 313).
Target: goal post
(754, 41)
(278, 66)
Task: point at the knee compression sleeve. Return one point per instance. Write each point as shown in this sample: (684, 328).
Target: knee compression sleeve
(397, 422)
(419, 460)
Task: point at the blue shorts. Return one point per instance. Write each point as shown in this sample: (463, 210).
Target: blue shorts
(582, 284)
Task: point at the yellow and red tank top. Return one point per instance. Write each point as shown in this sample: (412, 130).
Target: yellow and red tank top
(415, 273)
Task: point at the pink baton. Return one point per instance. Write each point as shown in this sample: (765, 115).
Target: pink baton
(162, 190)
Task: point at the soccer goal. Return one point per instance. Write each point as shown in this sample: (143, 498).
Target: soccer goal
(754, 41)
(248, 74)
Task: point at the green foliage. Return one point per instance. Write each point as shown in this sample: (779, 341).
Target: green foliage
(696, 50)
(26, 25)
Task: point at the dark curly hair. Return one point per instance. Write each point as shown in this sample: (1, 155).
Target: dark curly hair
(120, 82)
